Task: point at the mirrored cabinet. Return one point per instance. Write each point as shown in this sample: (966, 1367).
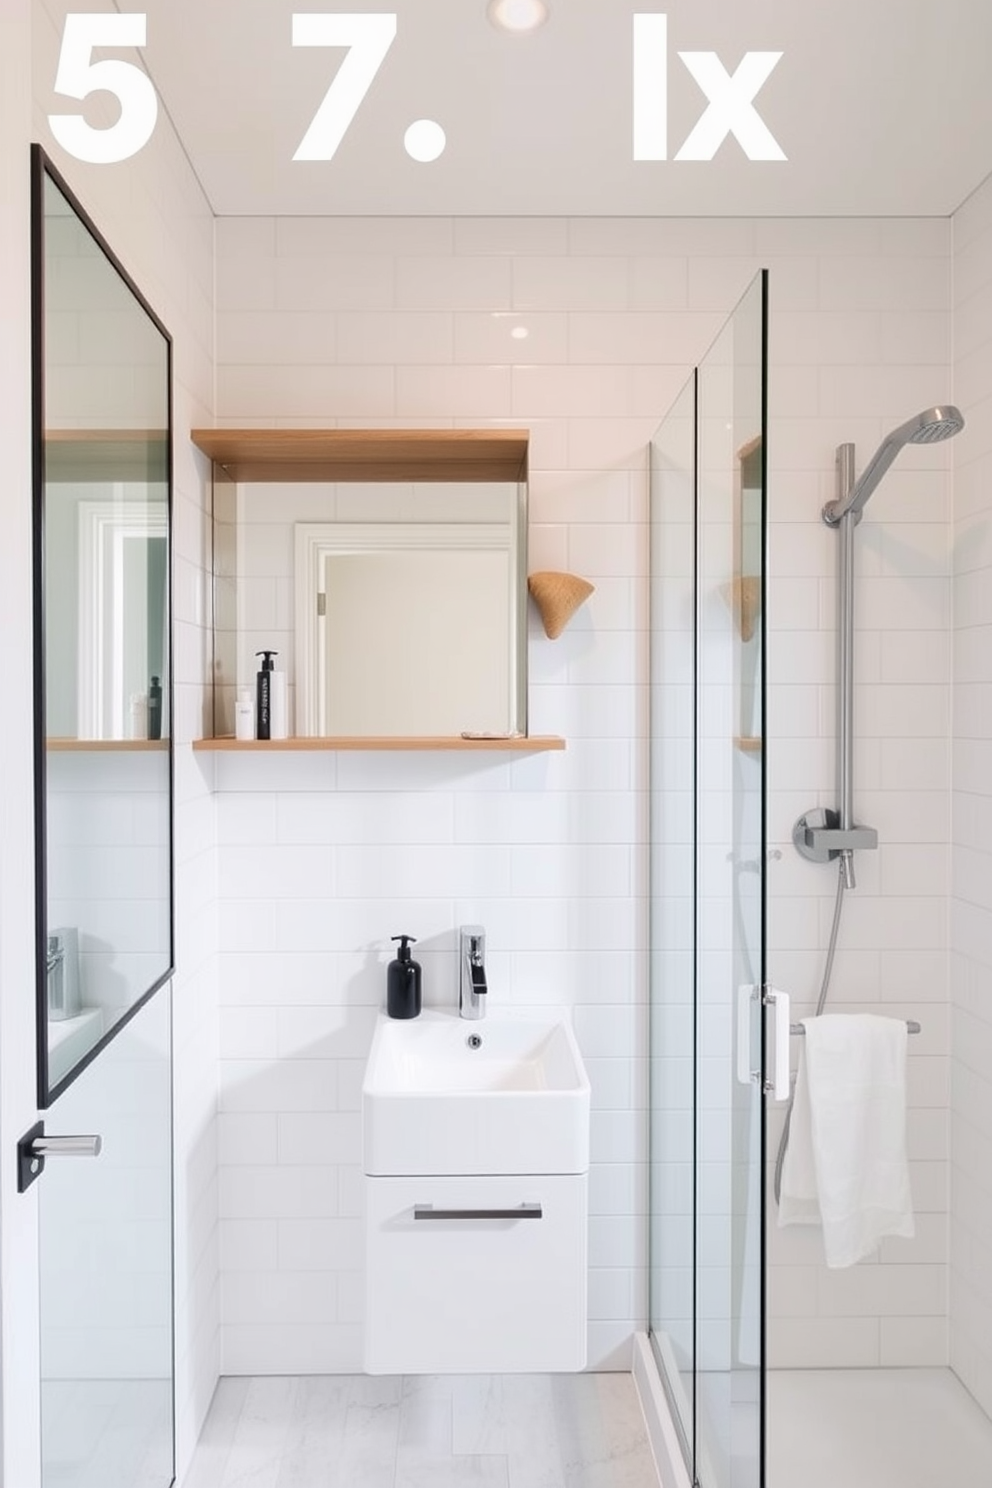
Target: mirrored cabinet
(384, 573)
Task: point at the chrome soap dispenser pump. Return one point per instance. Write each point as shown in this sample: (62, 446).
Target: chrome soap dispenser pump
(403, 982)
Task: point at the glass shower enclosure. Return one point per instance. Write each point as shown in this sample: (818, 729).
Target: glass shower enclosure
(707, 905)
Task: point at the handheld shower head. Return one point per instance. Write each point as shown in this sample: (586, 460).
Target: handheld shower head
(937, 424)
(928, 427)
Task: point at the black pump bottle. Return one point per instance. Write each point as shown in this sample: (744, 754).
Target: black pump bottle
(155, 709)
(263, 696)
(403, 982)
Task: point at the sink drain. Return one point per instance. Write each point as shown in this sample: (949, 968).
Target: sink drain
(474, 1041)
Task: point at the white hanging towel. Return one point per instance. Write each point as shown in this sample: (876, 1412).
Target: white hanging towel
(845, 1164)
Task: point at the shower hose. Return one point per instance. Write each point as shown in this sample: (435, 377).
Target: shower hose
(820, 1002)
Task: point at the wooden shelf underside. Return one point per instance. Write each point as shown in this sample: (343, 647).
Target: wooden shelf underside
(367, 454)
(534, 743)
(105, 746)
(98, 455)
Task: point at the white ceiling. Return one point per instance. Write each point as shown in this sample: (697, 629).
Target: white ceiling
(883, 107)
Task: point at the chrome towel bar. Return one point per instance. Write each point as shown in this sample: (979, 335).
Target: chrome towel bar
(911, 1025)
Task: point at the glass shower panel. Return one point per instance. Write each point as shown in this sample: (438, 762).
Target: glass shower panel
(672, 870)
(729, 901)
(106, 1269)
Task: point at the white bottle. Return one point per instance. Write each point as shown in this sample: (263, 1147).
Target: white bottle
(244, 716)
(138, 716)
(279, 721)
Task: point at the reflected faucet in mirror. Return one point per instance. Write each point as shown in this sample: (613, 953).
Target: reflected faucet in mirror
(62, 965)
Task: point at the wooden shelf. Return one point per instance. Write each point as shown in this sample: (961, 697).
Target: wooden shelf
(105, 746)
(533, 743)
(367, 454)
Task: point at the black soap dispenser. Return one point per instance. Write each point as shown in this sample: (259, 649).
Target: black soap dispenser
(155, 709)
(403, 982)
(263, 696)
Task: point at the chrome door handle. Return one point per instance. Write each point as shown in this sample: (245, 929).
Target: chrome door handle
(746, 995)
(521, 1211)
(34, 1148)
(67, 1146)
(778, 1087)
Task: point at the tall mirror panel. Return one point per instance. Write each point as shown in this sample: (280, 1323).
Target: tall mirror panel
(102, 368)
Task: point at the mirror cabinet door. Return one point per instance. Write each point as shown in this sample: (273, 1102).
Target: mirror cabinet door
(394, 608)
(102, 501)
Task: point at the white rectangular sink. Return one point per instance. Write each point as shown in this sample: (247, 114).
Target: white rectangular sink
(436, 1101)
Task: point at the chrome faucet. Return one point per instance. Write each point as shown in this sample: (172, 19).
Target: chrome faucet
(471, 971)
(55, 967)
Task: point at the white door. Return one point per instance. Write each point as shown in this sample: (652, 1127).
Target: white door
(19, 1404)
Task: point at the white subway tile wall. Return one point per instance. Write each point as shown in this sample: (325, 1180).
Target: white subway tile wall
(879, 350)
(971, 843)
(584, 331)
(109, 877)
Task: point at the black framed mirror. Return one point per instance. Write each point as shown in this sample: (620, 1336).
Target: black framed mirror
(102, 368)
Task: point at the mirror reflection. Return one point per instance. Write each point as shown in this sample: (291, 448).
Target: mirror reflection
(102, 581)
(748, 569)
(393, 608)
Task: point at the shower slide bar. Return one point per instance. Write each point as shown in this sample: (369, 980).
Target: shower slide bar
(911, 1027)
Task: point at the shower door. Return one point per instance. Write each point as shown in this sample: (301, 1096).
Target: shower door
(707, 904)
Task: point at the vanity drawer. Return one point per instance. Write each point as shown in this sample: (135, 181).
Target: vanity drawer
(499, 1286)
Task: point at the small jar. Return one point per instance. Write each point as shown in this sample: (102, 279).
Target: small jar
(138, 716)
(244, 716)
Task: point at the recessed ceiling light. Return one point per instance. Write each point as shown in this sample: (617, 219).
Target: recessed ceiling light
(424, 140)
(517, 15)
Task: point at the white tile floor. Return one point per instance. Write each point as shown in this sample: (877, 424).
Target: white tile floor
(425, 1431)
(875, 1428)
